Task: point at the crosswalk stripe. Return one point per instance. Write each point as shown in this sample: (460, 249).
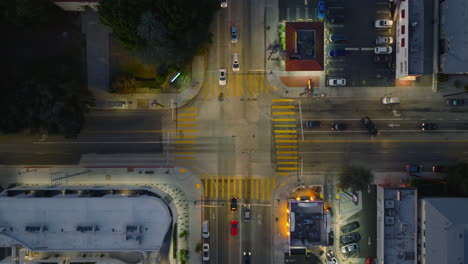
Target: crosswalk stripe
(222, 186)
(187, 114)
(234, 186)
(282, 100)
(284, 113)
(285, 131)
(206, 187)
(262, 186)
(285, 136)
(257, 188)
(284, 126)
(285, 141)
(286, 152)
(287, 168)
(283, 119)
(287, 162)
(285, 147)
(228, 187)
(186, 125)
(191, 109)
(211, 186)
(267, 186)
(287, 158)
(217, 185)
(185, 136)
(283, 106)
(240, 188)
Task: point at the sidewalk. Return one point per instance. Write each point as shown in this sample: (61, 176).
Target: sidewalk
(146, 101)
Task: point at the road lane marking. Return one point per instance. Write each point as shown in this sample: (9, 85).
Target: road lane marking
(240, 187)
(282, 100)
(284, 113)
(211, 186)
(285, 136)
(285, 131)
(185, 136)
(187, 119)
(283, 106)
(190, 109)
(186, 114)
(234, 186)
(222, 186)
(283, 173)
(283, 119)
(186, 125)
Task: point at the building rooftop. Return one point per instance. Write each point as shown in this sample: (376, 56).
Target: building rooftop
(308, 224)
(304, 46)
(396, 225)
(416, 37)
(85, 218)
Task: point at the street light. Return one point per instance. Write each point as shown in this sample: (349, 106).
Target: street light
(309, 89)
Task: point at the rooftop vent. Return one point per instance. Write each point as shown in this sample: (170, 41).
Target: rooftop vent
(389, 203)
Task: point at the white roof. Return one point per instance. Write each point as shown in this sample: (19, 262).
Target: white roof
(122, 222)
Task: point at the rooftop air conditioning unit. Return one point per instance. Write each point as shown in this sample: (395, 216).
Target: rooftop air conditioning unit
(389, 220)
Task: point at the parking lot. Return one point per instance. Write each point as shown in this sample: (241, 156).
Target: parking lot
(357, 66)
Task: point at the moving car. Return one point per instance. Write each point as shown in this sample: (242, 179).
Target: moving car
(233, 34)
(335, 38)
(350, 238)
(347, 249)
(223, 3)
(246, 209)
(336, 19)
(247, 257)
(205, 229)
(369, 125)
(321, 10)
(337, 82)
(331, 258)
(383, 23)
(383, 50)
(312, 124)
(437, 168)
(381, 59)
(206, 251)
(234, 230)
(390, 100)
(428, 126)
(336, 53)
(349, 227)
(338, 126)
(222, 77)
(384, 41)
(456, 102)
(413, 168)
(233, 203)
(235, 62)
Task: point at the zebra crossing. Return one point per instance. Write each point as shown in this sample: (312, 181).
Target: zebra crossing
(224, 187)
(238, 85)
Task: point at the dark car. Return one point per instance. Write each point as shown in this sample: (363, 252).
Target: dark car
(321, 10)
(412, 168)
(335, 38)
(331, 257)
(456, 102)
(349, 227)
(350, 238)
(428, 126)
(233, 204)
(437, 168)
(247, 257)
(337, 53)
(338, 126)
(369, 125)
(381, 59)
(312, 124)
(336, 19)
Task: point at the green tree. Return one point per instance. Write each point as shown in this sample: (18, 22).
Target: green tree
(355, 178)
(198, 247)
(457, 179)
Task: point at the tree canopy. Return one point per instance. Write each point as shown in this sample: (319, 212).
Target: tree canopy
(160, 31)
(355, 178)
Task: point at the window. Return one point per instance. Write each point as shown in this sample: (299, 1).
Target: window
(403, 29)
(402, 13)
(402, 42)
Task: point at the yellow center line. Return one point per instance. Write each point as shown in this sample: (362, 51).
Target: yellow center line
(283, 147)
(282, 100)
(283, 106)
(284, 113)
(285, 136)
(284, 125)
(285, 141)
(287, 158)
(283, 119)
(286, 152)
(285, 131)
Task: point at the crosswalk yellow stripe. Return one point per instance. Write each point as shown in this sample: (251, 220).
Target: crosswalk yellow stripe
(186, 125)
(282, 100)
(285, 136)
(187, 130)
(283, 106)
(287, 168)
(228, 186)
(283, 119)
(284, 126)
(185, 136)
(187, 119)
(217, 185)
(234, 186)
(287, 158)
(222, 186)
(285, 141)
(211, 186)
(283, 173)
(206, 186)
(284, 113)
(285, 146)
(268, 188)
(240, 188)
(257, 187)
(239, 86)
(288, 162)
(285, 131)
(262, 190)
(184, 142)
(286, 152)
(262, 84)
(190, 109)
(273, 183)
(187, 114)
(251, 85)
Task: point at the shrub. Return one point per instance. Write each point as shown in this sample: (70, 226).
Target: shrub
(124, 84)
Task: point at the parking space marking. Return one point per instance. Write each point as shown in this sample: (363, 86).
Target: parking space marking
(367, 49)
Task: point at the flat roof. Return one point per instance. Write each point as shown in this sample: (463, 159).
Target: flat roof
(308, 224)
(304, 46)
(81, 219)
(396, 225)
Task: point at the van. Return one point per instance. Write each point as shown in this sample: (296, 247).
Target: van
(205, 229)
(390, 100)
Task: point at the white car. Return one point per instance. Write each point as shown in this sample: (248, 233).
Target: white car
(383, 23)
(223, 3)
(206, 251)
(337, 82)
(235, 62)
(384, 41)
(349, 248)
(383, 50)
(222, 76)
(390, 100)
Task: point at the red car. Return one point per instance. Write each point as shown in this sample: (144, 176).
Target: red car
(234, 227)
(369, 261)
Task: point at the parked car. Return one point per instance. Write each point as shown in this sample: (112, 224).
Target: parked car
(321, 10)
(383, 50)
(381, 59)
(233, 34)
(384, 41)
(369, 260)
(369, 125)
(337, 82)
(223, 3)
(456, 102)
(222, 77)
(247, 257)
(235, 62)
(338, 126)
(413, 168)
(206, 251)
(390, 100)
(205, 229)
(335, 38)
(336, 53)
(312, 124)
(331, 258)
(383, 23)
(350, 238)
(234, 230)
(347, 249)
(349, 227)
(233, 203)
(428, 126)
(336, 19)
(246, 213)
